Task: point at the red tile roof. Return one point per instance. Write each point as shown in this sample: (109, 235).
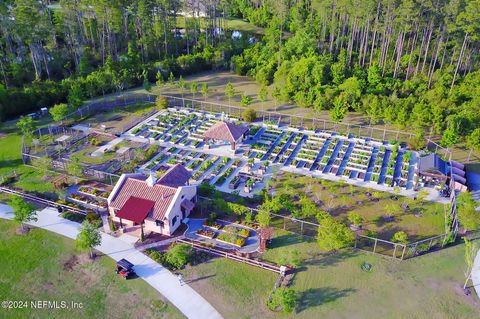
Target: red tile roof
(225, 131)
(135, 209)
(175, 176)
(160, 194)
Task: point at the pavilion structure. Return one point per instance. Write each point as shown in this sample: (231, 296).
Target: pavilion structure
(223, 132)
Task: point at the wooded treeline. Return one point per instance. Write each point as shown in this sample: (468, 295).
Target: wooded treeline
(408, 62)
(104, 46)
(412, 63)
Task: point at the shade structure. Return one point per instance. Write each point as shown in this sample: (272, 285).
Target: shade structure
(225, 131)
(136, 209)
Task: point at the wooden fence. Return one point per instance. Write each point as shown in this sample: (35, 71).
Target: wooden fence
(221, 253)
(41, 201)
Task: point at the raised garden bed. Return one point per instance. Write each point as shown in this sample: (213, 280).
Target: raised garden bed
(231, 239)
(237, 231)
(212, 225)
(205, 233)
(85, 200)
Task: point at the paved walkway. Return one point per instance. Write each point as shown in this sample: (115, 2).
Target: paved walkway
(187, 300)
(101, 150)
(476, 274)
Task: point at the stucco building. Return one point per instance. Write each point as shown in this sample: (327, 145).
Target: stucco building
(160, 204)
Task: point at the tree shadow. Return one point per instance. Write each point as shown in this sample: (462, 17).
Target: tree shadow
(285, 240)
(11, 163)
(330, 259)
(199, 279)
(314, 297)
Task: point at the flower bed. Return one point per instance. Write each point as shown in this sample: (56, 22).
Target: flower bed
(212, 224)
(93, 192)
(237, 231)
(90, 201)
(232, 239)
(206, 233)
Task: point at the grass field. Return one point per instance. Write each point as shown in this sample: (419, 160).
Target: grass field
(45, 266)
(236, 290)
(339, 200)
(334, 286)
(11, 161)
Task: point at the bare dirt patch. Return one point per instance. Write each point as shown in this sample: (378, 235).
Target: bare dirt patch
(71, 263)
(22, 230)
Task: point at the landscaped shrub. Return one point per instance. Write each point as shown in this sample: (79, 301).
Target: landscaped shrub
(93, 218)
(74, 217)
(211, 221)
(244, 232)
(240, 242)
(249, 115)
(355, 218)
(206, 190)
(156, 256)
(400, 237)
(283, 299)
(178, 255)
(151, 151)
(7, 180)
(333, 235)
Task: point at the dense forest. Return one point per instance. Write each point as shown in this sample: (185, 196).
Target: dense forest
(74, 49)
(407, 62)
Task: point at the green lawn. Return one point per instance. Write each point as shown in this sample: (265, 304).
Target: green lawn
(84, 155)
(335, 286)
(340, 199)
(45, 266)
(30, 179)
(236, 290)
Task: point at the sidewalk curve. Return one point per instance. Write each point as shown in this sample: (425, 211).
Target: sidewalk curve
(187, 300)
